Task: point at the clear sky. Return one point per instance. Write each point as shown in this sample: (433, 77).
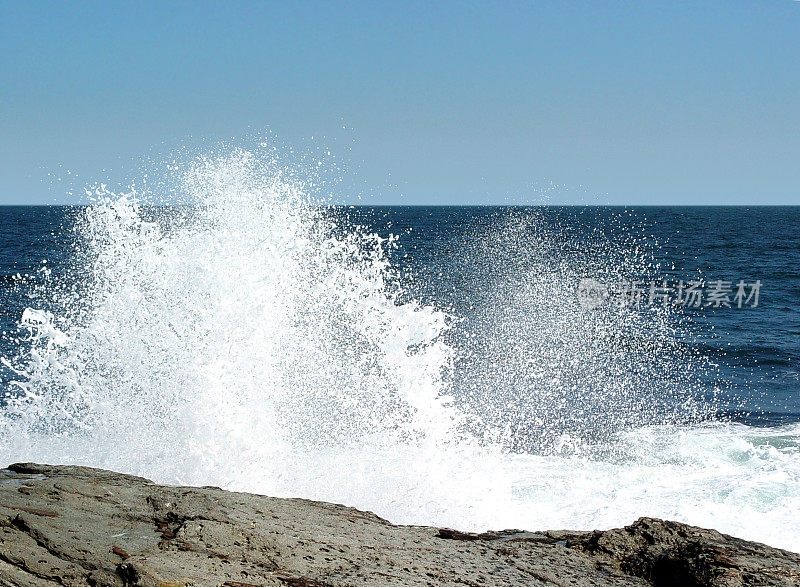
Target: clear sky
(428, 102)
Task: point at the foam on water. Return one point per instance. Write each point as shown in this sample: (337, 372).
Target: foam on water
(256, 346)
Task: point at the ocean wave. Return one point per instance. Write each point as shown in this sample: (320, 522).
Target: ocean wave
(257, 346)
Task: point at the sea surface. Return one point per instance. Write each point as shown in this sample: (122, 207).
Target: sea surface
(436, 365)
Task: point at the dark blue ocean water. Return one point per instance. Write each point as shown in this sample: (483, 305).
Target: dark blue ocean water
(469, 259)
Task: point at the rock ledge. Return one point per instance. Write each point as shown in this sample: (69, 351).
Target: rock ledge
(80, 526)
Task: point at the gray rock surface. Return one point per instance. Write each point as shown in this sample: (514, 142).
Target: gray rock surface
(79, 526)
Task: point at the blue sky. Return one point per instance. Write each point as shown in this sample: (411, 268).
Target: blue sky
(423, 102)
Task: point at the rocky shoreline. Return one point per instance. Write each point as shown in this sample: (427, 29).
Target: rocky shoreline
(77, 526)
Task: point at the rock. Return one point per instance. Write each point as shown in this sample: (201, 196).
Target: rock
(82, 526)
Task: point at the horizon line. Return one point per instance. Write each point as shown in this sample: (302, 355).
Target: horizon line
(384, 205)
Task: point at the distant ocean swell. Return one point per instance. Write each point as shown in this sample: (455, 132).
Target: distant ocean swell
(259, 344)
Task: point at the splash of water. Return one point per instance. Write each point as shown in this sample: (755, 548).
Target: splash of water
(249, 342)
(252, 331)
(549, 374)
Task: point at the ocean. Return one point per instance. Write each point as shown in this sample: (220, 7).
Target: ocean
(533, 367)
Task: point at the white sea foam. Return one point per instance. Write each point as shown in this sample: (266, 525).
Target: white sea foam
(258, 347)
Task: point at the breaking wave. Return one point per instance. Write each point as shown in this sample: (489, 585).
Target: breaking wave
(253, 342)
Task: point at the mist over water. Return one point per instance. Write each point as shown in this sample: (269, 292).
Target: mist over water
(256, 342)
(550, 374)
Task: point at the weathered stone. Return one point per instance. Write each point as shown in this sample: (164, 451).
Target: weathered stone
(79, 526)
